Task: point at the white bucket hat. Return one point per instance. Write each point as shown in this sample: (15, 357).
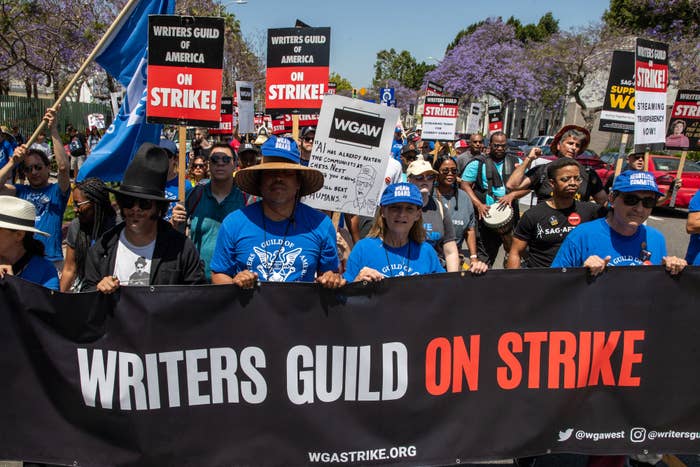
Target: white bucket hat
(18, 214)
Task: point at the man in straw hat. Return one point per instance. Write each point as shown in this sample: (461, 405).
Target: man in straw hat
(570, 141)
(21, 254)
(144, 249)
(278, 239)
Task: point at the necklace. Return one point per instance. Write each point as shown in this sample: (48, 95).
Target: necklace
(267, 264)
(405, 264)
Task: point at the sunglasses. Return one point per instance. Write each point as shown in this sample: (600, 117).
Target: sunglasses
(37, 167)
(199, 166)
(636, 156)
(128, 202)
(420, 178)
(77, 206)
(225, 159)
(448, 171)
(632, 200)
(309, 139)
(499, 145)
(575, 178)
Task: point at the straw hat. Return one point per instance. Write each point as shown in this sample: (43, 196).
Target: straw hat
(279, 154)
(18, 214)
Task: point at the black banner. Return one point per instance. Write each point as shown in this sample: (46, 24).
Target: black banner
(617, 115)
(403, 371)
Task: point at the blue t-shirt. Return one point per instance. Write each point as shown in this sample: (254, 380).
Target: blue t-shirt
(411, 259)
(284, 251)
(597, 238)
(396, 147)
(207, 217)
(470, 175)
(692, 256)
(41, 271)
(50, 204)
(171, 193)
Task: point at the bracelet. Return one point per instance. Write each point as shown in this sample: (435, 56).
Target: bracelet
(472, 256)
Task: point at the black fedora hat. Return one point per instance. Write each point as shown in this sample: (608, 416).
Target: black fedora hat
(146, 175)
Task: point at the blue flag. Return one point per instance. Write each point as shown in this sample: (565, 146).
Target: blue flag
(125, 57)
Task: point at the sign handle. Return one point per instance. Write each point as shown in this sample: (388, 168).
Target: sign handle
(336, 219)
(646, 159)
(295, 127)
(182, 135)
(681, 164)
(620, 158)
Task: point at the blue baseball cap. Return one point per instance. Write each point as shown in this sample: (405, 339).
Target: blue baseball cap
(168, 145)
(279, 146)
(633, 180)
(401, 193)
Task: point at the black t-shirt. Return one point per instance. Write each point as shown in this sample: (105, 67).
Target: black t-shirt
(539, 182)
(545, 228)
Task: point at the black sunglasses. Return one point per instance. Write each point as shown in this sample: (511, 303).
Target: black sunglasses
(128, 202)
(225, 159)
(37, 167)
(199, 166)
(309, 139)
(448, 171)
(632, 200)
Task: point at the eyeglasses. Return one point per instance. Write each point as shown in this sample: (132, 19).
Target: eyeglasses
(309, 139)
(199, 166)
(632, 200)
(495, 145)
(420, 178)
(575, 178)
(448, 171)
(128, 202)
(37, 167)
(224, 159)
(77, 206)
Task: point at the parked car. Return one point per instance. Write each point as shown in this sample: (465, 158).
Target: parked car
(664, 168)
(514, 147)
(540, 141)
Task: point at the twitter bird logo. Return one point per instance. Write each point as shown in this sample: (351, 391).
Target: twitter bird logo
(566, 434)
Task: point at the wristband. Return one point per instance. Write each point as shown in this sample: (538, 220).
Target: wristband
(472, 256)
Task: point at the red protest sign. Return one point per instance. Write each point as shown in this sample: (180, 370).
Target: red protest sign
(185, 58)
(297, 69)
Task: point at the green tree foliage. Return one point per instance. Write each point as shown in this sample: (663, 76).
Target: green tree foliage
(545, 27)
(660, 16)
(401, 66)
(342, 84)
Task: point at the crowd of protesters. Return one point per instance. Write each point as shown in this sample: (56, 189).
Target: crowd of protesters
(445, 207)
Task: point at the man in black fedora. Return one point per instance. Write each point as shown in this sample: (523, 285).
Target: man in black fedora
(144, 249)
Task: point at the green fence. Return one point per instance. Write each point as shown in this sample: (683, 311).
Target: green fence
(26, 113)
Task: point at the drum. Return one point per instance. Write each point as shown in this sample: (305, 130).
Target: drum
(500, 218)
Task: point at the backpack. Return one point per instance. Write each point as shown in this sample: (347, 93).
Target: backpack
(493, 178)
(76, 146)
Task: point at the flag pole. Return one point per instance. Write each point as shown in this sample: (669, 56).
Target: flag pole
(84, 66)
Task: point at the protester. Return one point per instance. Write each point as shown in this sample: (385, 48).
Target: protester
(172, 186)
(306, 145)
(17, 135)
(397, 144)
(143, 249)
(7, 146)
(94, 216)
(475, 149)
(459, 207)
(621, 238)
(208, 204)
(278, 239)
(635, 161)
(570, 141)
(93, 138)
(396, 243)
(692, 226)
(21, 254)
(77, 145)
(248, 156)
(543, 228)
(42, 145)
(437, 223)
(484, 180)
(198, 172)
(49, 199)
(201, 146)
(409, 154)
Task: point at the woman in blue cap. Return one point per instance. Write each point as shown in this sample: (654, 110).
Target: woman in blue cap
(395, 245)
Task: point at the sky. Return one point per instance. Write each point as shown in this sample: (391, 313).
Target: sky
(361, 28)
